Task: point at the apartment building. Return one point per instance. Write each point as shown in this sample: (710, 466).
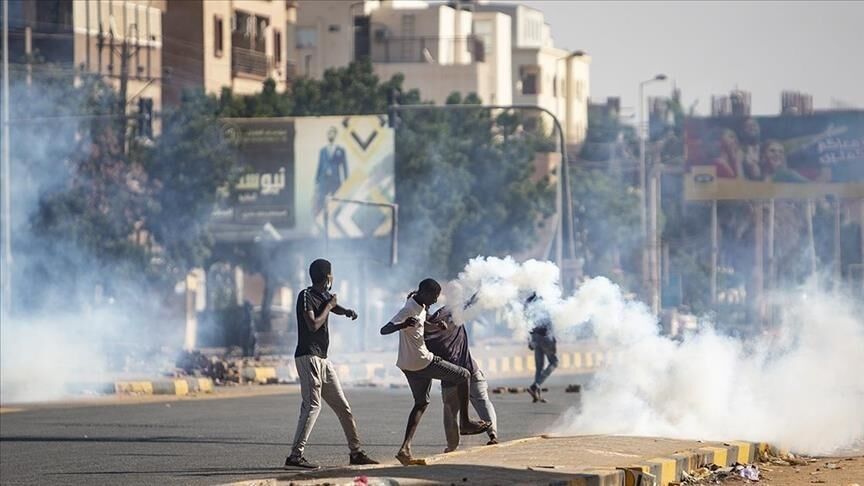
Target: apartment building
(503, 52)
(545, 75)
(237, 44)
(118, 39)
(434, 46)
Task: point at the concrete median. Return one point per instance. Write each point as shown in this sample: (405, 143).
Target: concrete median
(579, 460)
(178, 386)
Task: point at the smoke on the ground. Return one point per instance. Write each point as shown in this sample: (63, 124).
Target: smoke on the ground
(798, 385)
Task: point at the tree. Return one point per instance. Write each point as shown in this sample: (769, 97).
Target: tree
(466, 187)
(189, 164)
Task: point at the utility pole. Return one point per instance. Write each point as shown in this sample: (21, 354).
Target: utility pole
(643, 195)
(6, 270)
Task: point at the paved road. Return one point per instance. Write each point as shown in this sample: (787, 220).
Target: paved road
(218, 441)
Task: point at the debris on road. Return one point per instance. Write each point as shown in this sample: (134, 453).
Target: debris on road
(573, 389)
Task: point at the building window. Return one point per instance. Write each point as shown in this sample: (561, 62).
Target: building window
(261, 24)
(218, 36)
(277, 47)
(530, 77)
(307, 37)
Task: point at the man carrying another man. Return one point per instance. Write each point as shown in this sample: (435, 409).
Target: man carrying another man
(420, 366)
(450, 341)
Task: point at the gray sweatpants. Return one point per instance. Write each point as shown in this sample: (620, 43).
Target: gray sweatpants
(318, 380)
(479, 396)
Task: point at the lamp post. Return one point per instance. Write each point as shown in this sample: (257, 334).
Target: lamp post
(643, 203)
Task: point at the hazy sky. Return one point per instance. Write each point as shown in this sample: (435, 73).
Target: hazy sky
(712, 47)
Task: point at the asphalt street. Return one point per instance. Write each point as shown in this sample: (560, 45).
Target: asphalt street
(224, 440)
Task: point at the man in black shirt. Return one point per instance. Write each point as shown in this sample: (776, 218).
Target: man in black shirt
(449, 341)
(317, 376)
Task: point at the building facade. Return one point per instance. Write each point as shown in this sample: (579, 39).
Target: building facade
(502, 52)
(120, 40)
(234, 44)
(434, 46)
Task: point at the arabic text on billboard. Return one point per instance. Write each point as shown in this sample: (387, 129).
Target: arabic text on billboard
(292, 165)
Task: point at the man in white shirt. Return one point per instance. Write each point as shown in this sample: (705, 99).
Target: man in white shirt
(421, 366)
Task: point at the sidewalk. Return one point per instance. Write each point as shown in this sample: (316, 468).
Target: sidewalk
(577, 460)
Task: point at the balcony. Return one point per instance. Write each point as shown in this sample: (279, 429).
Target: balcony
(428, 49)
(249, 62)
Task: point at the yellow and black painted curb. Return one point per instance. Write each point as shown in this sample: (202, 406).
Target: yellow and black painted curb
(176, 386)
(669, 469)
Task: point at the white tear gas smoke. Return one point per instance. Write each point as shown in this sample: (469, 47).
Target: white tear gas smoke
(800, 387)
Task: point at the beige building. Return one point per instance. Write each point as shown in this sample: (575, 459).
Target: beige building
(543, 74)
(115, 38)
(503, 52)
(227, 43)
(433, 45)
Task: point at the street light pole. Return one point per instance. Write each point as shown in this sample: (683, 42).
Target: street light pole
(564, 202)
(6, 270)
(643, 203)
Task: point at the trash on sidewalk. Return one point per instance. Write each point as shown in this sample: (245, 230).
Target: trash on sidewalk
(573, 389)
(750, 472)
(499, 390)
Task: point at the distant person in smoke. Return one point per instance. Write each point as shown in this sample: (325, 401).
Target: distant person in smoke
(543, 343)
(332, 170)
(317, 376)
(449, 340)
(420, 366)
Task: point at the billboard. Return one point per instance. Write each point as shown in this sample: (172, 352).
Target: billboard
(291, 166)
(792, 157)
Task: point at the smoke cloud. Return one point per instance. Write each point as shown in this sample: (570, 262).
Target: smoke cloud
(798, 386)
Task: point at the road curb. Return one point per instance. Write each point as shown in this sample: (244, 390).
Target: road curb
(178, 386)
(669, 469)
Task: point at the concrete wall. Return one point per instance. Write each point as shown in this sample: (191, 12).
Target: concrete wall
(436, 82)
(333, 21)
(495, 29)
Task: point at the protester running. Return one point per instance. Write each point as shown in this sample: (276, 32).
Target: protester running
(316, 374)
(543, 344)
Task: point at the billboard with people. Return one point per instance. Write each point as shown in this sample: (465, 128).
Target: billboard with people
(292, 167)
(795, 157)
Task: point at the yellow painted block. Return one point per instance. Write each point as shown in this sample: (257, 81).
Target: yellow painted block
(529, 363)
(565, 360)
(262, 374)
(491, 365)
(205, 385)
(743, 451)
(181, 387)
(667, 470)
(589, 359)
(518, 363)
(142, 387)
(505, 365)
(577, 359)
(720, 454)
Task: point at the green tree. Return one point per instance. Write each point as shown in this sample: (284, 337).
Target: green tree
(187, 166)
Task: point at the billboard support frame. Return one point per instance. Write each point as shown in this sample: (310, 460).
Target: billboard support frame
(394, 226)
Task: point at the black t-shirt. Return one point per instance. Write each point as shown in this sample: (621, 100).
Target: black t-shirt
(308, 342)
(452, 346)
